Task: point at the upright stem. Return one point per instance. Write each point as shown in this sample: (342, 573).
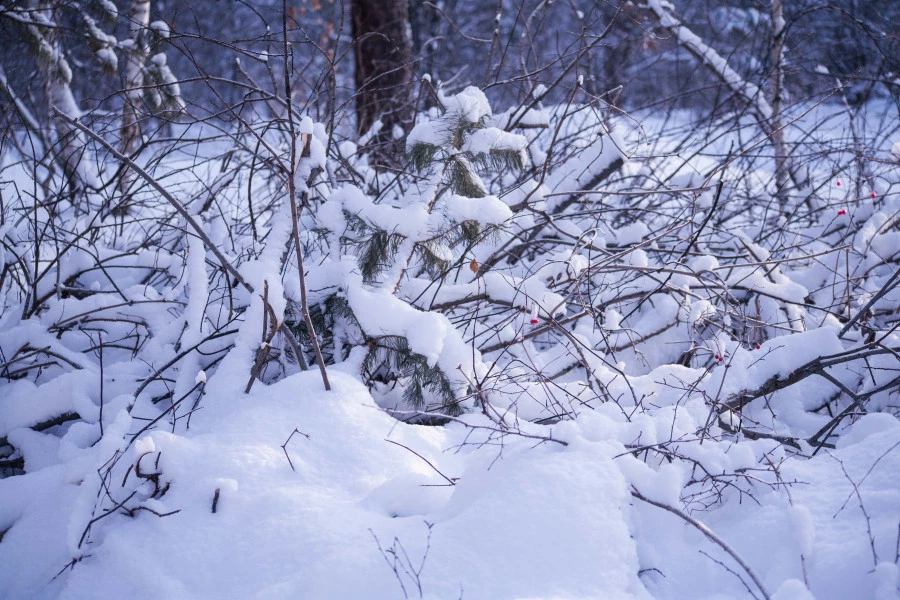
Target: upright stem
(135, 57)
(781, 160)
(295, 211)
(495, 38)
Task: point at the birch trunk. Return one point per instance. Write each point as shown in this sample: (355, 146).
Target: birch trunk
(781, 158)
(57, 76)
(136, 58)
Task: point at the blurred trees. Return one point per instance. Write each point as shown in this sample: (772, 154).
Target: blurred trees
(378, 48)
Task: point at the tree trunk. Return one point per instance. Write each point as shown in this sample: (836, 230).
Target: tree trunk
(57, 76)
(135, 58)
(384, 73)
(781, 161)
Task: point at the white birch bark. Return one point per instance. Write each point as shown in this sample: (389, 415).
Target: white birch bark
(135, 58)
(57, 75)
(781, 159)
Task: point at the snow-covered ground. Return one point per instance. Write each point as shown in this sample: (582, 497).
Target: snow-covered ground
(374, 508)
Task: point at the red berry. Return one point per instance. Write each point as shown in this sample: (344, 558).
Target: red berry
(839, 184)
(758, 346)
(842, 212)
(534, 321)
(873, 194)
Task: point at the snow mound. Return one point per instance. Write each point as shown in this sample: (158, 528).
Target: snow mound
(315, 532)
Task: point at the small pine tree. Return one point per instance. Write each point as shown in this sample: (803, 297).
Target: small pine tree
(445, 210)
(425, 386)
(448, 150)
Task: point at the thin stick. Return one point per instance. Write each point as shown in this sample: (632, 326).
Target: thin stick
(710, 535)
(295, 212)
(288, 441)
(100, 350)
(428, 462)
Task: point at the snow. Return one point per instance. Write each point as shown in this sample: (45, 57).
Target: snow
(866, 426)
(380, 312)
(490, 138)
(161, 28)
(470, 105)
(488, 210)
(278, 532)
(792, 589)
(564, 511)
(410, 221)
(108, 58)
(701, 311)
(631, 234)
(431, 133)
(110, 7)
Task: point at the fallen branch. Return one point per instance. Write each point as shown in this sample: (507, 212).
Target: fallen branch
(710, 535)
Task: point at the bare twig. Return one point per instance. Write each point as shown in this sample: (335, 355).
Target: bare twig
(428, 462)
(287, 441)
(710, 535)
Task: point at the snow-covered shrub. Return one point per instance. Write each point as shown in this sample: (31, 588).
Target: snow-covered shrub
(418, 231)
(641, 314)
